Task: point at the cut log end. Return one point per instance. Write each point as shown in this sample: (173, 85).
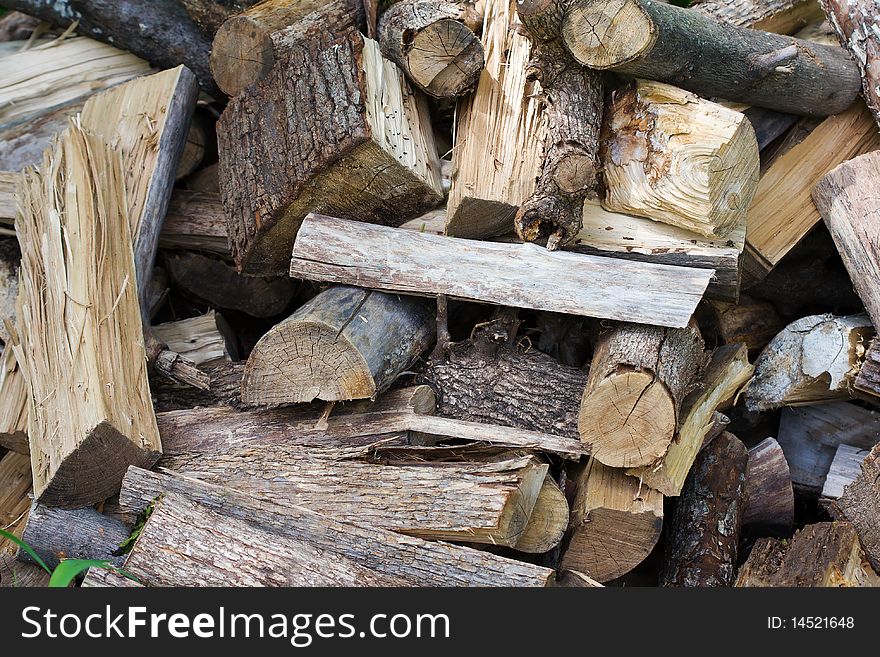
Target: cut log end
(445, 59)
(604, 35)
(548, 521)
(629, 419)
(242, 54)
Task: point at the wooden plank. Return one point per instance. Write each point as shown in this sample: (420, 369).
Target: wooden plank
(522, 275)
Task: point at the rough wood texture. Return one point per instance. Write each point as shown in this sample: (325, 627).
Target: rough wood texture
(10, 258)
(783, 212)
(661, 42)
(717, 388)
(224, 389)
(860, 504)
(573, 106)
(868, 379)
(413, 560)
(703, 539)
(433, 42)
(769, 497)
(674, 157)
(81, 342)
(346, 343)
(615, 523)
(779, 16)
(57, 534)
(248, 45)
(813, 359)
(548, 521)
(638, 380)
(749, 321)
(203, 340)
(848, 198)
(857, 23)
(13, 404)
(210, 14)
(499, 133)
(361, 148)
(810, 436)
(822, 555)
(845, 468)
(22, 143)
(521, 275)
(157, 30)
(15, 486)
(103, 578)
(195, 220)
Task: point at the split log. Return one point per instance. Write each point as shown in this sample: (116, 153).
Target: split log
(90, 415)
(520, 275)
(783, 212)
(207, 181)
(195, 220)
(638, 380)
(813, 359)
(574, 579)
(573, 104)
(202, 340)
(749, 321)
(216, 283)
(10, 259)
(56, 534)
(638, 238)
(375, 160)
(8, 181)
(248, 45)
(548, 521)
(661, 42)
(224, 389)
(160, 31)
(14, 574)
(346, 343)
(13, 404)
(848, 198)
(857, 24)
(616, 522)
(868, 379)
(410, 559)
(779, 16)
(500, 133)
(718, 387)
(810, 436)
(703, 536)
(674, 157)
(844, 470)
(194, 147)
(15, 487)
(822, 555)
(860, 504)
(22, 143)
(769, 496)
(433, 42)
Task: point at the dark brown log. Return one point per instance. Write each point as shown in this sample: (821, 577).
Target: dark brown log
(661, 42)
(860, 504)
(210, 14)
(638, 379)
(361, 149)
(248, 45)
(160, 31)
(433, 42)
(704, 533)
(868, 379)
(16, 26)
(224, 389)
(769, 496)
(751, 322)
(780, 16)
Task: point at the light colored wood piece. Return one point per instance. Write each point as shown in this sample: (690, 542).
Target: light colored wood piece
(548, 521)
(846, 466)
(13, 404)
(198, 339)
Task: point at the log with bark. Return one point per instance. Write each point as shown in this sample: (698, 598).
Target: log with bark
(364, 150)
(661, 42)
(248, 45)
(435, 44)
(780, 16)
(13, 404)
(210, 14)
(79, 329)
(674, 157)
(639, 377)
(195, 220)
(822, 555)
(749, 321)
(615, 523)
(860, 504)
(703, 540)
(409, 559)
(346, 343)
(769, 496)
(868, 378)
(522, 275)
(811, 360)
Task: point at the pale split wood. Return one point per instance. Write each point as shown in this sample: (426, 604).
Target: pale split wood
(13, 404)
(199, 339)
(548, 521)
(845, 468)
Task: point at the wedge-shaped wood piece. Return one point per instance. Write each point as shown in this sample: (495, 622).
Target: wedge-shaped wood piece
(639, 377)
(769, 497)
(15, 489)
(826, 554)
(860, 504)
(521, 275)
(844, 470)
(661, 42)
(671, 156)
(413, 561)
(779, 16)
(13, 404)
(360, 148)
(813, 359)
(615, 524)
(716, 389)
(345, 343)
(81, 344)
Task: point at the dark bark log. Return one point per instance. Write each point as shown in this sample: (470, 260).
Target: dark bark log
(779, 16)
(860, 504)
(868, 379)
(704, 533)
(769, 497)
(751, 322)
(210, 14)
(663, 42)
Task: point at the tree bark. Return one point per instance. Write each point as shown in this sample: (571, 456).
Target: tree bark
(247, 46)
(704, 534)
(749, 321)
(210, 14)
(433, 42)
(779, 16)
(661, 42)
(639, 378)
(860, 504)
(769, 496)
(868, 379)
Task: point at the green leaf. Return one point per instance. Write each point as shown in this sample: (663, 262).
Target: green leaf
(68, 569)
(27, 548)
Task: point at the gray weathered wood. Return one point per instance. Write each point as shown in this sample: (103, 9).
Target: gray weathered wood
(846, 466)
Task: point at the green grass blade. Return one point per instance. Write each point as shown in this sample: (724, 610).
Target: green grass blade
(27, 548)
(68, 569)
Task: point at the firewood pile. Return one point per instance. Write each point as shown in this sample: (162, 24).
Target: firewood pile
(434, 293)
